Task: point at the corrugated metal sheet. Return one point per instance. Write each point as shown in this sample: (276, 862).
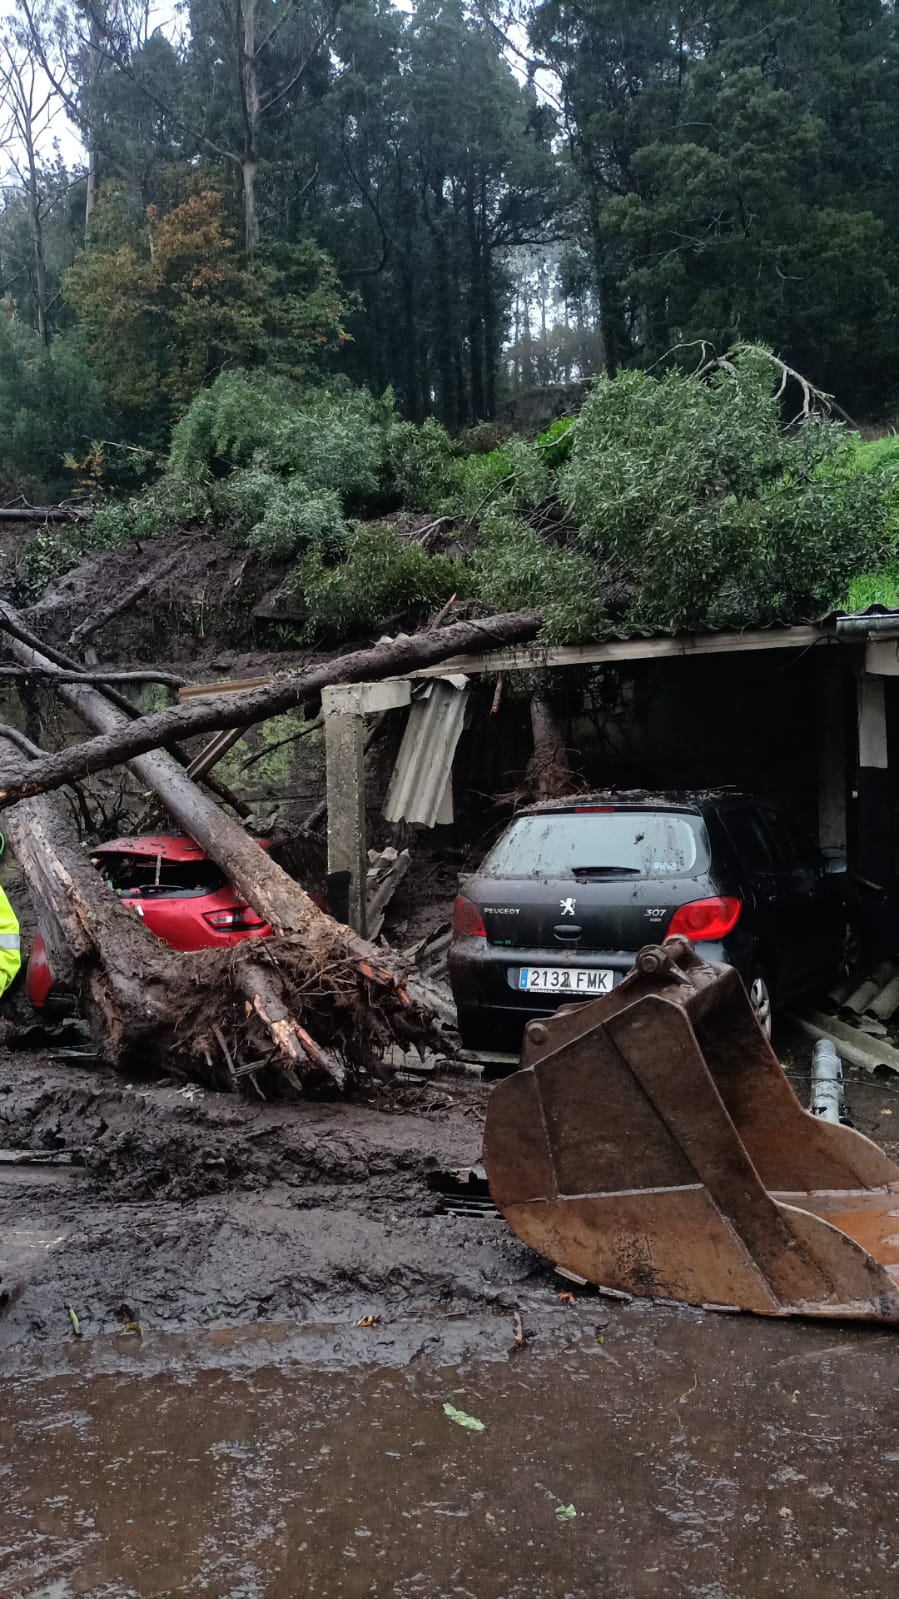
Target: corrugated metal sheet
(421, 787)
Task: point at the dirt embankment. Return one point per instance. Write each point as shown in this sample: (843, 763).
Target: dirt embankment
(187, 1209)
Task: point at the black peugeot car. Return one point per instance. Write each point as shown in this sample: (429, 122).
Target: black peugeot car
(573, 889)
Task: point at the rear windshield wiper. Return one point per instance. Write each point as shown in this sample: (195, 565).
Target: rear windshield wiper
(606, 871)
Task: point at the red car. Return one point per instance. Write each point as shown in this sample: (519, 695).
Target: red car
(181, 895)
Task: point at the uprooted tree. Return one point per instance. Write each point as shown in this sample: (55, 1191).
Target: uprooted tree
(219, 1014)
(315, 998)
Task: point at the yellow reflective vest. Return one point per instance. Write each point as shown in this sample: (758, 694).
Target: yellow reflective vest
(10, 943)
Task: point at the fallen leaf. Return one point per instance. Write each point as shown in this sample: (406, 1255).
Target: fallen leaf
(135, 1327)
(369, 1321)
(565, 1512)
(462, 1419)
(519, 1330)
(886, 1113)
(567, 1299)
(76, 1325)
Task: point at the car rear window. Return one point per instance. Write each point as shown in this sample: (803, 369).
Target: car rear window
(633, 843)
(148, 876)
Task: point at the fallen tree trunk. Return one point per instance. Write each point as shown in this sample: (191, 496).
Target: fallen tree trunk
(44, 513)
(354, 991)
(549, 775)
(277, 898)
(287, 1005)
(398, 657)
(94, 675)
(11, 624)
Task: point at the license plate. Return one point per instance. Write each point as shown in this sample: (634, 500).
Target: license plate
(565, 980)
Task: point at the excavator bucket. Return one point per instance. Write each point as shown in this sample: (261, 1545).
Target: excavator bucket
(651, 1143)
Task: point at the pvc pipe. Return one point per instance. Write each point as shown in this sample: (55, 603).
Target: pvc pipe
(827, 1082)
(853, 1047)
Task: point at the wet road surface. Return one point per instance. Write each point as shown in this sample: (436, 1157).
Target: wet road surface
(702, 1455)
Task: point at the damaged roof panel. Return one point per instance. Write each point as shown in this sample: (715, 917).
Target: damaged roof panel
(421, 785)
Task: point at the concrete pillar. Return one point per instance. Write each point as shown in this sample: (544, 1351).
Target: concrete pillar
(875, 860)
(345, 763)
(345, 708)
(831, 751)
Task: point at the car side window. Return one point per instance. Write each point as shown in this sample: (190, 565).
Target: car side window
(796, 850)
(752, 840)
(786, 853)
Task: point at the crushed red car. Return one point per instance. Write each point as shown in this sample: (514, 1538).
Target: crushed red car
(180, 894)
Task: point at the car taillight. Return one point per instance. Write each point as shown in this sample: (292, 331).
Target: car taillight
(705, 920)
(467, 919)
(234, 920)
(38, 976)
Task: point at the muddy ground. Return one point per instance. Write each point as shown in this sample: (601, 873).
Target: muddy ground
(172, 1207)
(191, 1209)
(218, 1424)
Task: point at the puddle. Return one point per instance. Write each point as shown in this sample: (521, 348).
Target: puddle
(683, 1453)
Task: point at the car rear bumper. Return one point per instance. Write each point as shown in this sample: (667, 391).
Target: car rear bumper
(490, 1006)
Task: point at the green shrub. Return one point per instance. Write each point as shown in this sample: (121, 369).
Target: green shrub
(296, 520)
(514, 568)
(556, 441)
(422, 460)
(472, 479)
(168, 504)
(225, 424)
(873, 588)
(381, 576)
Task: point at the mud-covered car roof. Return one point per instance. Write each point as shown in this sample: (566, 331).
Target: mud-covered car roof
(669, 799)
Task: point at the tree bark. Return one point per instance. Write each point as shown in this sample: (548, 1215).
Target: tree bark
(94, 945)
(94, 64)
(475, 308)
(167, 679)
(549, 774)
(43, 513)
(311, 1006)
(249, 160)
(125, 740)
(13, 625)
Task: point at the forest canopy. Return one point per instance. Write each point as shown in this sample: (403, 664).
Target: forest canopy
(283, 269)
(453, 200)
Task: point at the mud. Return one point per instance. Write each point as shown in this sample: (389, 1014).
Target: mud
(270, 1313)
(190, 1209)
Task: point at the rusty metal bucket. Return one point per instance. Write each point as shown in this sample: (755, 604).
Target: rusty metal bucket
(652, 1144)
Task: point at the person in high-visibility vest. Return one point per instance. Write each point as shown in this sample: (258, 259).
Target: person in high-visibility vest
(10, 942)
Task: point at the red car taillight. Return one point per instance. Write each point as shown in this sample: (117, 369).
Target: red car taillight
(705, 920)
(234, 920)
(38, 977)
(467, 919)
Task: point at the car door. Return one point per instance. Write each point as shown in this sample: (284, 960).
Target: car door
(808, 905)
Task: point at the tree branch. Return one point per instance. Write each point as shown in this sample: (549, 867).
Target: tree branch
(389, 659)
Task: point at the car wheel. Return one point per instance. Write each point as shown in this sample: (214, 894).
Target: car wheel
(760, 999)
